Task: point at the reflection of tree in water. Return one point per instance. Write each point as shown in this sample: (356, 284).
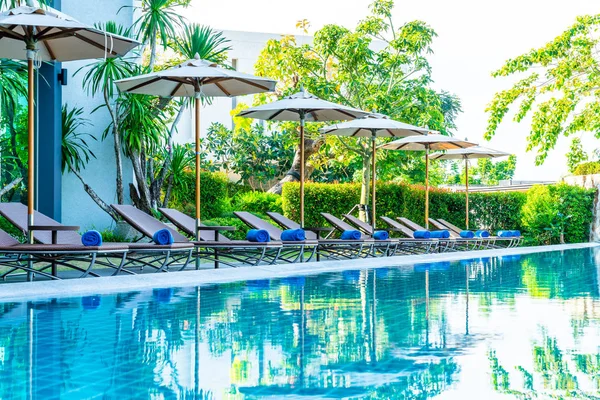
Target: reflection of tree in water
(556, 373)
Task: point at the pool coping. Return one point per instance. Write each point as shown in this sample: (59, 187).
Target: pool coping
(79, 287)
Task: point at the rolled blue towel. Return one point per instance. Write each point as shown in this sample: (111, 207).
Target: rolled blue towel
(482, 234)
(293, 235)
(467, 234)
(381, 235)
(163, 237)
(351, 235)
(516, 233)
(258, 235)
(421, 234)
(91, 238)
(443, 234)
(505, 234)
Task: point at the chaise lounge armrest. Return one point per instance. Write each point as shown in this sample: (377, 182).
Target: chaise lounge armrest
(217, 228)
(54, 229)
(319, 230)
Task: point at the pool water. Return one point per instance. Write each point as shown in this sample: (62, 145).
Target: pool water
(506, 327)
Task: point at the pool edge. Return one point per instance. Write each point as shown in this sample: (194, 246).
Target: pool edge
(78, 287)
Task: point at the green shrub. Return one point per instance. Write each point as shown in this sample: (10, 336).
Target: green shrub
(214, 198)
(238, 234)
(550, 211)
(9, 228)
(257, 202)
(587, 168)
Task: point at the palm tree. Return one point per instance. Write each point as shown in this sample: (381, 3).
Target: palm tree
(203, 41)
(100, 79)
(158, 21)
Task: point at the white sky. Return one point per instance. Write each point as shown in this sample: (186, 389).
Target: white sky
(475, 38)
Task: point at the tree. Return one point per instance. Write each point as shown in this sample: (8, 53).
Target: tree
(559, 90)
(376, 67)
(484, 172)
(576, 155)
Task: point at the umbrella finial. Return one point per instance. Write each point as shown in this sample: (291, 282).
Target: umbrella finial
(196, 56)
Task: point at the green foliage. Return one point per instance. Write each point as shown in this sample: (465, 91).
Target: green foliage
(485, 172)
(587, 168)
(203, 41)
(559, 90)
(230, 220)
(541, 213)
(214, 200)
(256, 155)
(553, 211)
(111, 236)
(342, 66)
(75, 150)
(257, 202)
(576, 155)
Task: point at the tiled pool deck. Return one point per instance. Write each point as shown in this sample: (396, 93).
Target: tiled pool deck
(75, 287)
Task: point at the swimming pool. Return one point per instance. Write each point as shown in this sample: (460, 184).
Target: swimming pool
(488, 328)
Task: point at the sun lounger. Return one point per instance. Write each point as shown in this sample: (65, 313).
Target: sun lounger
(212, 244)
(492, 241)
(379, 248)
(140, 255)
(335, 249)
(452, 243)
(292, 251)
(405, 245)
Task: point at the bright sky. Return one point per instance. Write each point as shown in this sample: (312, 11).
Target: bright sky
(475, 38)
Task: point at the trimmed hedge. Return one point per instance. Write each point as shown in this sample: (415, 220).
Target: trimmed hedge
(214, 196)
(494, 211)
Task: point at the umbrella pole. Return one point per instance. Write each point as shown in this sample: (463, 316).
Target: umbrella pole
(427, 187)
(373, 180)
(467, 191)
(197, 105)
(302, 170)
(31, 143)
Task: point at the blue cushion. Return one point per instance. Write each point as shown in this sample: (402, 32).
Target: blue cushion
(293, 235)
(505, 234)
(351, 235)
(443, 234)
(421, 234)
(467, 234)
(381, 235)
(91, 238)
(482, 234)
(516, 233)
(258, 235)
(163, 237)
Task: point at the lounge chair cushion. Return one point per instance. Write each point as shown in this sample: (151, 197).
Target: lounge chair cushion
(381, 235)
(91, 238)
(442, 234)
(258, 235)
(482, 234)
(163, 237)
(293, 235)
(422, 234)
(467, 234)
(351, 235)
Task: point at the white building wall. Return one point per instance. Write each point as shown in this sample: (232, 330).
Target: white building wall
(77, 207)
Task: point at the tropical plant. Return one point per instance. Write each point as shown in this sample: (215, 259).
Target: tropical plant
(7, 4)
(182, 161)
(343, 66)
(559, 90)
(203, 41)
(76, 152)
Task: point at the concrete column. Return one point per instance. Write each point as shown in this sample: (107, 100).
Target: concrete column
(49, 138)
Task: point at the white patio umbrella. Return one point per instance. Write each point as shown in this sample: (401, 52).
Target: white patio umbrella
(302, 107)
(467, 154)
(427, 143)
(39, 34)
(196, 78)
(373, 126)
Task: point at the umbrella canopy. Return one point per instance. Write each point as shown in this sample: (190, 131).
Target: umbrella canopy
(467, 154)
(302, 106)
(427, 143)
(374, 125)
(40, 34)
(196, 78)
(56, 36)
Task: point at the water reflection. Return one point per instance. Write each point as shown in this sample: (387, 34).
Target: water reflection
(499, 326)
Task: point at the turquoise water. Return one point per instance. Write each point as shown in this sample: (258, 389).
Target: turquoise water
(510, 327)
